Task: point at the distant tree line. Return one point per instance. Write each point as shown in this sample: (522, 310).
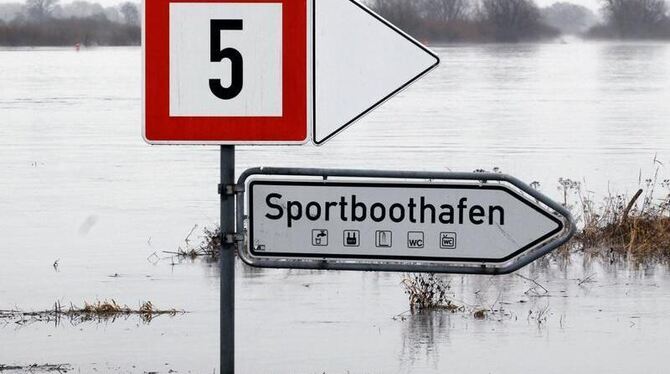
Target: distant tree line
(467, 20)
(524, 20)
(634, 19)
(47, 23)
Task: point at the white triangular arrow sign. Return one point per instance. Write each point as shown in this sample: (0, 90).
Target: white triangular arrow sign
(360, 61)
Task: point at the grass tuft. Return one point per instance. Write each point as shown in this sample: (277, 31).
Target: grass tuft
(208, 247)
(636, 227)
(35, 368)
(100, 311)
(428, 292)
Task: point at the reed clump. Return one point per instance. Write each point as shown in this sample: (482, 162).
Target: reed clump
(36, 368)
(211, 243)
(208, 247)
(110, 309)
(101, 311)
(429, 292)
(426, 292)
(637, 226)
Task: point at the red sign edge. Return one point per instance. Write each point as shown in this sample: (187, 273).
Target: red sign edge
(308, 91)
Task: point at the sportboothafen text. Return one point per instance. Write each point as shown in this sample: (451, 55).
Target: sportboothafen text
(415, 210)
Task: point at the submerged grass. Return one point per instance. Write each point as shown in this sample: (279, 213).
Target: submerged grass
(620, 227)
(430, 292)
(208, 246)
(427, 292)
(100, 311)
(636, 227)
(35, 368)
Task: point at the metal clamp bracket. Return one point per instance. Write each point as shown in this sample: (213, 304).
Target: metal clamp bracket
(233, 238)
(231, 189)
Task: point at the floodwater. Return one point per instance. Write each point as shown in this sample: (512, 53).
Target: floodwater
(79, 187)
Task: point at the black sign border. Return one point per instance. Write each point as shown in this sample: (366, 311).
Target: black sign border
(513, 193)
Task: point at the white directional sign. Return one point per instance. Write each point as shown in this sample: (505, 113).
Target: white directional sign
(361, 60)
(373, 221)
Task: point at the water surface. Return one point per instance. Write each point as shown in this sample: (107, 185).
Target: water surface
(79, 186)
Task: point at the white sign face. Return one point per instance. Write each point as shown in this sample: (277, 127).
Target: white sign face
(437, 222)
(226, 59)
(361, 61)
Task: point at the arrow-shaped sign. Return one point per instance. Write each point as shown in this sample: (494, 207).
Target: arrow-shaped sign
(360, 61)
(397, 221)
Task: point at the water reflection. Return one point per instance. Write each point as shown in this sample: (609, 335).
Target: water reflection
(422, 336)
(510, 67)
(635, 52)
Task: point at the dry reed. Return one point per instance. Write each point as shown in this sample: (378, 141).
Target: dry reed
(96, 311)
(208, 247)
(636, 227)
(35, 368)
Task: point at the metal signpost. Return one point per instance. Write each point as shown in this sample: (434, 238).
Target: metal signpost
(258, 72)
(227, 259)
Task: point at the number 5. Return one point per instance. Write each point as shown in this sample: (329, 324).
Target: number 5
(217, 55)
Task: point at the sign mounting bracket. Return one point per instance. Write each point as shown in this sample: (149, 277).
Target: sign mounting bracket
(231, 189)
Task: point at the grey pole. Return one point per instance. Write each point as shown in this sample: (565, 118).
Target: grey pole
(227, 259)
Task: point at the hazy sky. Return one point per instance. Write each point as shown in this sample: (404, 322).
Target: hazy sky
(593, 4)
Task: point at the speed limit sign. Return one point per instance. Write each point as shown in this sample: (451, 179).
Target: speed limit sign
(226, 72)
